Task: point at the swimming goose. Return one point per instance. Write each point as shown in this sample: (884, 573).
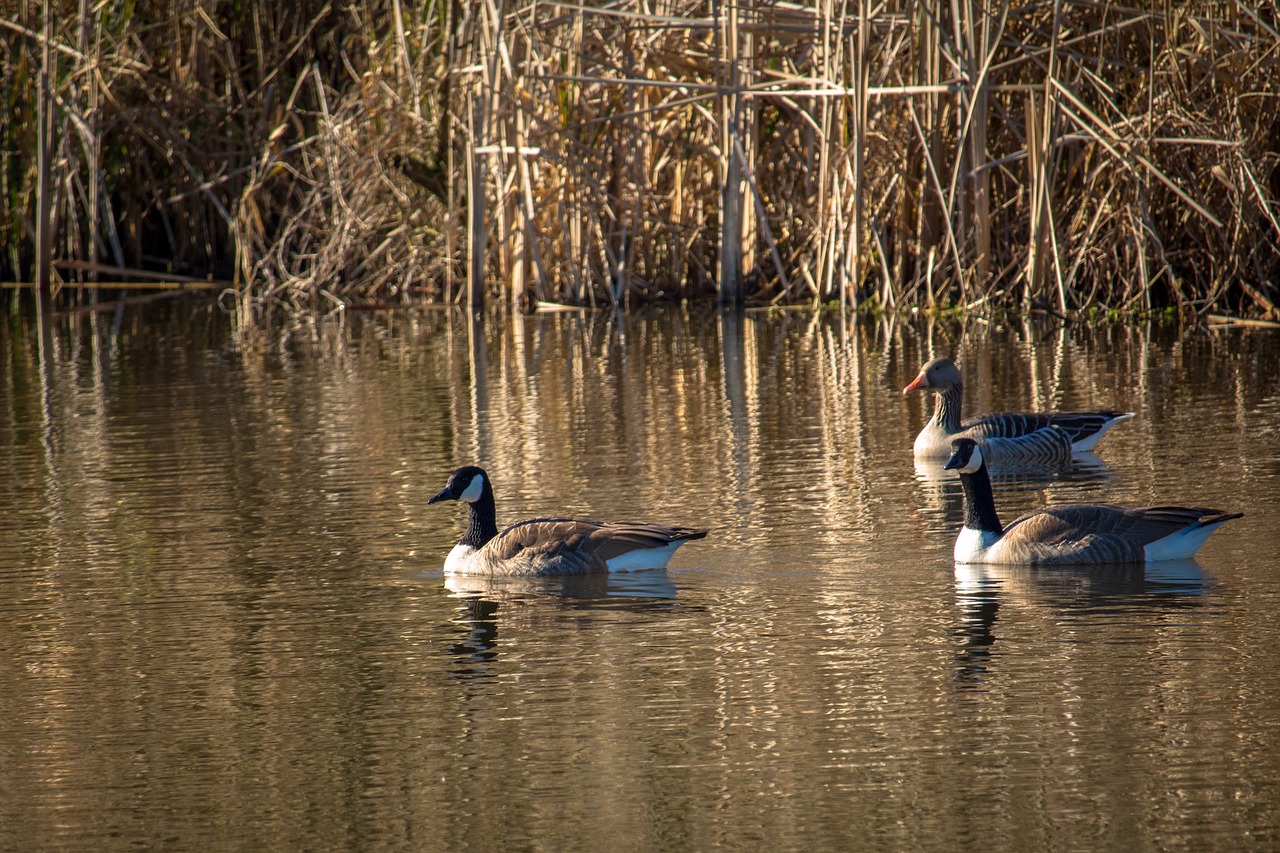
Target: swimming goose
(1071, 535)
(1021, 435)
(550, 546)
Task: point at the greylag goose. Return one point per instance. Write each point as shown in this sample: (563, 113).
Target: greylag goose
(550, 546)
(1011, 436)
(1076, 534)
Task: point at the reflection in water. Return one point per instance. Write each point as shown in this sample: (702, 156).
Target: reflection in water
(478, 362)
(978, 599)
(982, 590)
(475, 650)
(733, 378)
(1176, 577)
(216, 628)
(646, 584)
(527, 601)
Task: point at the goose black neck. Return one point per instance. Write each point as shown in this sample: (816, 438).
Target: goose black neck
(482, 520)
(979, 502)
(946, 413)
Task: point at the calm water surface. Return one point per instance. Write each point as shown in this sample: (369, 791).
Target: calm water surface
(223, 623)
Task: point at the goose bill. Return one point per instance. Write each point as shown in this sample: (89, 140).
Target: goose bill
(918, 384)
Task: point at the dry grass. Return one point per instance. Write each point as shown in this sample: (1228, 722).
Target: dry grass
(1070, 156)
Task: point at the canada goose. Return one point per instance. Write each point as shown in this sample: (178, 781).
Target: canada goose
(1021, 435)
(1066, 535)
(550, 546)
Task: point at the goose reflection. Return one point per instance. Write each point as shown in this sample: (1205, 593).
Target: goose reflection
(475, 649)
(647, 584)
(487, 601)
(983, 590)
(978, 600)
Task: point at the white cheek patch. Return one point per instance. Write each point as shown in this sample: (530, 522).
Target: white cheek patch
(473, 492)
(975, 462)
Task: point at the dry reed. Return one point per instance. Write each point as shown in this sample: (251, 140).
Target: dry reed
(1068, 156)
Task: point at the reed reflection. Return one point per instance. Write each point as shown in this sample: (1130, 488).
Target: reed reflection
(478, 361)
(735, 388)
(734, 374)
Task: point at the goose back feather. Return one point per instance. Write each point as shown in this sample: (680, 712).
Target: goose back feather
(1099, 533)
(1049, 445)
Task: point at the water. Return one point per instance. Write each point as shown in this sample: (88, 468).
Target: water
(223, 622)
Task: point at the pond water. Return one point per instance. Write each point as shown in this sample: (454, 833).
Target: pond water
(223, 621)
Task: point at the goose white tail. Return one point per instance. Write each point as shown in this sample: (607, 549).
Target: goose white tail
(1183, 544)
(1086, 444)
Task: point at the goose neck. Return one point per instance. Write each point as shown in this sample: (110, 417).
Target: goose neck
(979, 502)
(482, 520)
(946, 413)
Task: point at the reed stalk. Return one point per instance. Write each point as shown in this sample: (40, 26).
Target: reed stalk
(322, 155)
(44, 226)
(730, 167)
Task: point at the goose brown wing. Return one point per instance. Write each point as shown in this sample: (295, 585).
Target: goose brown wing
(1096, 532)
(572, 545)
(544, 545)
(620, 537)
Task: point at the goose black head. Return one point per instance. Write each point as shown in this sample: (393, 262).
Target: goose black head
(465, 484)
(966, 456)
(938, 375)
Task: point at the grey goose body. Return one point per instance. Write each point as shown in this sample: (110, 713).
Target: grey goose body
(1076, 534)
(550, 546)
(1049, 438)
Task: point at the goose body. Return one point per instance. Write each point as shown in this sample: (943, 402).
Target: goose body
(550, 546)
(1072, 535)
(1007, 436)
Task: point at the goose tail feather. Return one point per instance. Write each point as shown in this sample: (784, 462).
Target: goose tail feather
(1183, 544)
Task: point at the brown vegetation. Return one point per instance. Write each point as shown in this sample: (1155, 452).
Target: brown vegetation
(1066, 155)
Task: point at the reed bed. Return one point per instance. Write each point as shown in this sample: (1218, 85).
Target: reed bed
(1073, 157)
